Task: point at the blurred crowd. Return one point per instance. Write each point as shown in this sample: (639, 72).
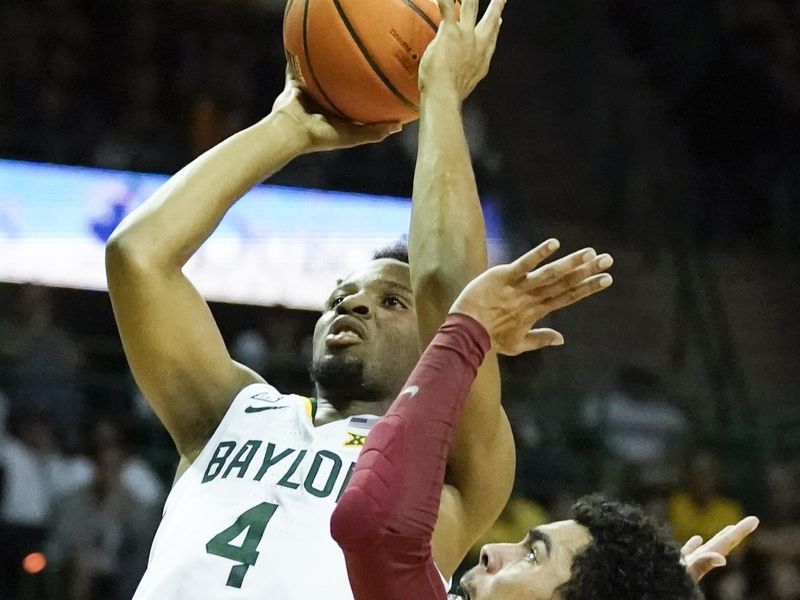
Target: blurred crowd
(173, 80)
(83, 480)
(730, 71)
(78, 502)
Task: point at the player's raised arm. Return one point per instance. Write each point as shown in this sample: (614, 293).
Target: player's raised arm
(447, 248)
(172, 343)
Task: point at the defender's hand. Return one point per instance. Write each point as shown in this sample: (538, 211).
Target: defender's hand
(509, 299)
(701, 558)
(321, 131)
(459, 56)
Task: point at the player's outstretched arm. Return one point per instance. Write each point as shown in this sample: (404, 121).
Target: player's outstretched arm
(172, 343)
(447, 247)
(385, 520)
(446, 252)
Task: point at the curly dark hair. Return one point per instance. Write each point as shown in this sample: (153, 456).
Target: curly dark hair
(397, 251)
(629, 557)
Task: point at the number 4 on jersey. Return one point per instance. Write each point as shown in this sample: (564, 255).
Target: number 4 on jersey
(254, 521)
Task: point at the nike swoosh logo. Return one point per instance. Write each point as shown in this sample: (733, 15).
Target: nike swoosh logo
(255, 409)
(411, 391)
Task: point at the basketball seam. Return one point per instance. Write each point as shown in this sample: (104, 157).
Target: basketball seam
(286, 10)
(311, 67)
(422, 14)
(369, 58)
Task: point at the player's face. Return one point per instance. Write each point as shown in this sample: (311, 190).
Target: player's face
(368, 322)
(532, 569)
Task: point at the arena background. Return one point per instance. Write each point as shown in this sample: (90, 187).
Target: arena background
(665, 133)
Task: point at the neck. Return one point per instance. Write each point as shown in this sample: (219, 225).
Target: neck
(328, 410)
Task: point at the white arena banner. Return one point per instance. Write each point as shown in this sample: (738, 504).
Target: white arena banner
(276, 246)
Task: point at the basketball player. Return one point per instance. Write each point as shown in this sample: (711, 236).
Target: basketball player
(260, 472)
(385, 519)
(385, 529)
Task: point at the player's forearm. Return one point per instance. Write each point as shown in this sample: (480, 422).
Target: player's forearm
(447, 241)
(172, 224)
(447, 247)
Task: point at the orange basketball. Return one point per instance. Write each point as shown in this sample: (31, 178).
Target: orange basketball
(358, 59)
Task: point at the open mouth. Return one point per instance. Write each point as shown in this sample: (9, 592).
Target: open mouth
(345, 331)
(343, 338)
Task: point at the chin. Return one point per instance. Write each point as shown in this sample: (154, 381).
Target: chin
(339, 376)
(341, 359)
(470, 584)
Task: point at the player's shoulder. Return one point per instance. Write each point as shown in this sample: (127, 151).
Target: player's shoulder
(259, 390)
(263, 397)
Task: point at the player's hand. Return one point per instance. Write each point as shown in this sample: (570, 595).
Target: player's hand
(701, 558)
(321, 131)
(509, 299)
(459, 56)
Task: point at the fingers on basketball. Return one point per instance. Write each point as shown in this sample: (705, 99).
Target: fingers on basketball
(494, 12)
(448, 10)
(469, 13)
(489, 25)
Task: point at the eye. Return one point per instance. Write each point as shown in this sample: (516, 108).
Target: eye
(393, 302)
(532, 556)
(336, 301)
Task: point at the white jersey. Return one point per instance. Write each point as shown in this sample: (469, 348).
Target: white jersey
(250, 518)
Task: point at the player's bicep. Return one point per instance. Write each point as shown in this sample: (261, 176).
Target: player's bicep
(174, 348)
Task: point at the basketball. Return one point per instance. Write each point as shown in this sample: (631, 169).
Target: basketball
(359, 60)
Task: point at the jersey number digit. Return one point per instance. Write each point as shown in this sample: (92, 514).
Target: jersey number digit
(254, 521)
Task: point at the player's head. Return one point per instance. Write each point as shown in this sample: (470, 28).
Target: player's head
(365, 342)
(608, 550)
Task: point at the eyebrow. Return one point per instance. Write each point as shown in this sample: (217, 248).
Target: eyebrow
(342, 286)
(399, 286)
(537, 535)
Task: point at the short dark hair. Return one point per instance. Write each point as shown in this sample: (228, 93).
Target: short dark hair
(397, 251)
(629, 557)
